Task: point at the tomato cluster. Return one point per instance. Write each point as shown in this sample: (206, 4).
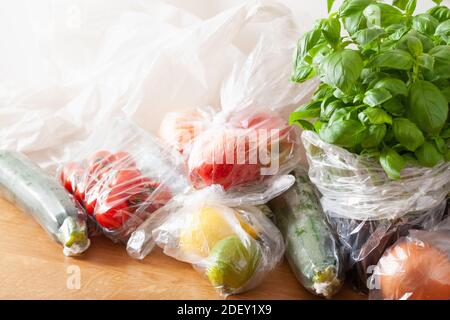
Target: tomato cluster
(112, 189)
(209, 161)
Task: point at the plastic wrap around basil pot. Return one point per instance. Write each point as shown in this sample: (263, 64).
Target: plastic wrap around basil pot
(368, 210)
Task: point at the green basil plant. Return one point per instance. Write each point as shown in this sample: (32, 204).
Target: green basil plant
(385, 82)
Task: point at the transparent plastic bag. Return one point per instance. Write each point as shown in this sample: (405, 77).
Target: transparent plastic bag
(312, 249)
(355, 187)
(26, 185)
(416, 267)
(247, 138)
(364, 241)
(368, 210)
(249, 148)
(121, 175)
(233, 244)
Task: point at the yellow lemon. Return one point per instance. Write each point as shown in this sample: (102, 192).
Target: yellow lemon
(208, 227)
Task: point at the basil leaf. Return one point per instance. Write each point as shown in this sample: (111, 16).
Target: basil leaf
(375, 116)
(344, 133)
(427, 43)
(339, 114)
(394, 106)
(441, 69)
(411, 7)
(352, 15)
(302, 69)
(425, 23)
(318, 125)
(351, 7)
(307, 111)
(382, 15)
(306, 125)
(441, 145)
(328, 108)
(366, 36)
(323, 92)
(427, 107)
(341, 69)
(374, 136)
(415, 46)
(307, 42)
(394, 86)
(426, 61)
(407, 133)
(392, 163)
(401, 4)
(376, 97)
(428, 155)
(331, 30)
(446, 133)
(441, 13)
(395, 59)
(330, 5)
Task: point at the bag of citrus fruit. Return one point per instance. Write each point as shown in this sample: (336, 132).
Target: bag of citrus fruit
(121, 175)
(233, 245)
(416, 267)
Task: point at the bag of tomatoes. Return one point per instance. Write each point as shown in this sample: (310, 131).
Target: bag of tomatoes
(121, 175)
(416, 267)
(247, 141)
(237, 151)
(234, 245)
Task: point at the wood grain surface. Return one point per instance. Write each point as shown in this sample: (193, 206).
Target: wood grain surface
(33, 267)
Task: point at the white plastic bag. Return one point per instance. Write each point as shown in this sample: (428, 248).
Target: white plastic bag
(232, 244)
(368, 210)
(247, 139)
(83, 62)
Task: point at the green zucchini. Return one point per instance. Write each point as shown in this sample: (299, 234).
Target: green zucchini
(25, 184)
(311, 248)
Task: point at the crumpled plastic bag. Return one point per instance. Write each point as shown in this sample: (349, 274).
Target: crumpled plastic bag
(70, 65)
(247, 139)
(368, 210)
(121, 175)
(416, 267)
(226, 238)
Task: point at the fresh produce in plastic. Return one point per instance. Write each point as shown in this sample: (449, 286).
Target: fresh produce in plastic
(248, 148)
(416, 267)
(127, 177)
(385, 83)
(246, 140)
(368, 210)
(311, 248)
(180, 128)
(233, 245)
(25, 184)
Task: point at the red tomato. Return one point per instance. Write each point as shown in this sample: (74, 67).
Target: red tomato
(98, 163)
(226, 175)
(113, 216)
(69, 175)
(122, 159)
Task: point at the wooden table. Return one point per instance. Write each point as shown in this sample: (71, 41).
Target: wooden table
(33, 267)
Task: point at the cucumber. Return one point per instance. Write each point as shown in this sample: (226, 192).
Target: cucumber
(311, 248)
(25, 184)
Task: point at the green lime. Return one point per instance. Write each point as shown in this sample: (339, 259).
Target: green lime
(232, 264)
